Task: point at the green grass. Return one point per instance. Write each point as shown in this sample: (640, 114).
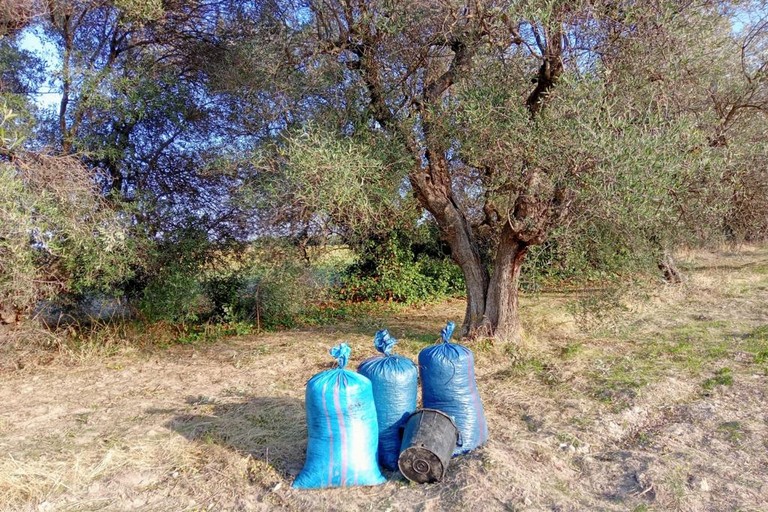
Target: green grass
(420, 339)
(619, 379)
(723, 377)
(571, 350)
(755, 343)
(687, 349)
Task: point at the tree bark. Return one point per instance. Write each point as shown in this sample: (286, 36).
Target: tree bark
(502, 320)
(457, 232)
(668, 267)
(464, 251)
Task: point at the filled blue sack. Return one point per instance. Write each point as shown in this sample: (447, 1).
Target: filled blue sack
(448, 385)
(395, 384)
(342, 427)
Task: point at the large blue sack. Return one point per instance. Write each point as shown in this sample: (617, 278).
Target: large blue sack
(342, 427)
(448, 384)
(395, 384)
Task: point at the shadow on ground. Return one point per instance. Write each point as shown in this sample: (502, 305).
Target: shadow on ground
(270, 429)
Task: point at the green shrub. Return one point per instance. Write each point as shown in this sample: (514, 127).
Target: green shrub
(177, 296)
(391, 271)
(265, 284)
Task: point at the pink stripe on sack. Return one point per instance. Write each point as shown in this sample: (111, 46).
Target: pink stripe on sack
(330, 436)
(343, 432)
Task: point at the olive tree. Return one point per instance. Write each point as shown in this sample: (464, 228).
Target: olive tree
(506, 120)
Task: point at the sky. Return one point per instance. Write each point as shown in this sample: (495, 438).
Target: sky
(33, 40)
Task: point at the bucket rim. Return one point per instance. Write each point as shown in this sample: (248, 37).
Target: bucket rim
(438, 411)
(427, 409)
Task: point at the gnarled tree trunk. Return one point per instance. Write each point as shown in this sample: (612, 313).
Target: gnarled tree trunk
(502, 320)
(492, 301)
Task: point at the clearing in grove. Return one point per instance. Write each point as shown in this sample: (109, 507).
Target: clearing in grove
(655, 401)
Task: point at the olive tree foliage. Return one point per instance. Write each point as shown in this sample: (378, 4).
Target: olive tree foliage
(741, 105)
(506, 122)
(57, 234)
(325, 185)
(711, 65)
(134, 107)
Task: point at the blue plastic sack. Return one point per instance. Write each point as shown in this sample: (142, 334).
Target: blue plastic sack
(448, 384)
(342, 427)
(395, 384)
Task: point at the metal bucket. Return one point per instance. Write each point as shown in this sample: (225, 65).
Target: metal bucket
(429, 439)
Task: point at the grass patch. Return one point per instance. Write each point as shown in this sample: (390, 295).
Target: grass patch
(571, 350)
(686, 349)
(723, 377)
(733, 431)
(209, 333)
(619, 379)
(755, 343)
(421, 339)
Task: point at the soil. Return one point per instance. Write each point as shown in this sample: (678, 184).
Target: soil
(613, 417)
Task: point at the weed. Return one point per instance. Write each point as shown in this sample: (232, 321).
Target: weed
(531, 423)
(570, 350)
(529, 365)
(622, 376)
(581, 422)
(717, 351)
(723, 377)
(756, 343)
(485, 345)
(644, 438)
(759, 334)
(568, 439)
(733, 430)
(209, 333)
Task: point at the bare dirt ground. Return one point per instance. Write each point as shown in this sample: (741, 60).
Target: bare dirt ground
(650, 402)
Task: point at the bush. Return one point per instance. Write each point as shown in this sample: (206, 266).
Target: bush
(265, 284)
(56, 233)
(391, 270)
(589, 252)
(177, 296)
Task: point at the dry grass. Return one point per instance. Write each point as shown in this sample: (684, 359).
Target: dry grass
(614, 418)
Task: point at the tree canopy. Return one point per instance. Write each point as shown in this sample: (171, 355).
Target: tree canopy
(584, 130)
